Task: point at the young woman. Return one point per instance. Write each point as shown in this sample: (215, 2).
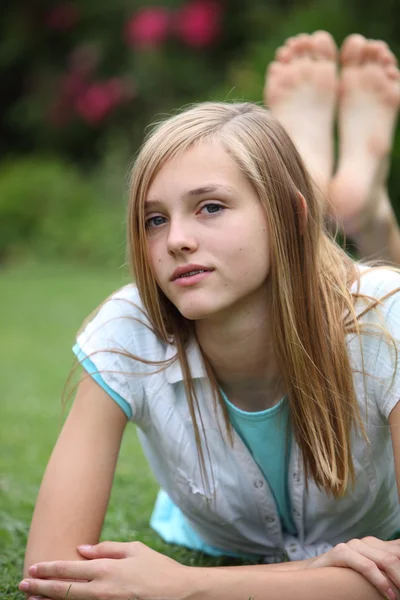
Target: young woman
(259, 363)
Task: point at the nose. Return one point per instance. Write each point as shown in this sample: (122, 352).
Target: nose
(181, 238)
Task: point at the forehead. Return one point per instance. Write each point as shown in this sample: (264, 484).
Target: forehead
(205, 162)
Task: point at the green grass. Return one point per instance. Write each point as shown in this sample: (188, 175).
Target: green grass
(41, 307)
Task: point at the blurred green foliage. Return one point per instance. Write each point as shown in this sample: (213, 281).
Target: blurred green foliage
(81, 80)
(49, 208)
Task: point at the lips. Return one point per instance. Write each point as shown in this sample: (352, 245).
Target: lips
(185, 270)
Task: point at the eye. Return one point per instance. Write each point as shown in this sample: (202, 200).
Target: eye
(212, 208)
(156, 221)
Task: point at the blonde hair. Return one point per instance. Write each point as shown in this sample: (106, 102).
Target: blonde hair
(310, 278)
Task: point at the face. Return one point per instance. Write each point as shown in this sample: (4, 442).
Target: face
(204, 218)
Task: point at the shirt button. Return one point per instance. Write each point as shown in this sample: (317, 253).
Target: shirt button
(271, 520)
(296, 513)
(292, 547)
(258, 483)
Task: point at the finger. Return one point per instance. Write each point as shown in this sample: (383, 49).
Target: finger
(57, 590)
(105, 550)
(348, 557)
(63, 569)
(377, 543)
(370, 563)
(392, 547)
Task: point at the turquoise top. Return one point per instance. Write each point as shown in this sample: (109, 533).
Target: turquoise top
(265, 435)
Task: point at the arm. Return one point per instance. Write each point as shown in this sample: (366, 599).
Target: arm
(134, 571)
(75, 490)
(133, 576)
(328, 583)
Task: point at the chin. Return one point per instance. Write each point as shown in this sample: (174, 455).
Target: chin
(195, 314)
(195, 311)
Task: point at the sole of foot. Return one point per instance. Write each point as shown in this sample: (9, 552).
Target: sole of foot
(301, 90)
(369, 97)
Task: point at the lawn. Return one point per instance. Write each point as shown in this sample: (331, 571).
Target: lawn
(41, 307)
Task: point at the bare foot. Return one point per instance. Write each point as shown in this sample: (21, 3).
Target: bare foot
(369, 99)
(300, 89)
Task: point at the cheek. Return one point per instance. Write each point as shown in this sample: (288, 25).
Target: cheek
(250, 246)
(156, 258)
(251, 256)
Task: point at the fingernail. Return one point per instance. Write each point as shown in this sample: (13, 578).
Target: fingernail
(390, 595)
(32, 570)
(24, 586)
(85, 547)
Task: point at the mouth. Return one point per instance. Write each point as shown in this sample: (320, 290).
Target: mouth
(192, 277)
(188, 271)
(191, 273)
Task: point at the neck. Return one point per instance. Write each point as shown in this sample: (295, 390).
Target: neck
(240, 352)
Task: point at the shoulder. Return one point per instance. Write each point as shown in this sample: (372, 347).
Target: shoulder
(380, 331)
(377, 295)
(377, 282)
(120, 323)
(119, 349)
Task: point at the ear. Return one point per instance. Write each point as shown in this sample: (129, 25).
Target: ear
(303, 211)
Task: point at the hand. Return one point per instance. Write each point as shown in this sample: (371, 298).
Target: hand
(377, 561)
(113, 570)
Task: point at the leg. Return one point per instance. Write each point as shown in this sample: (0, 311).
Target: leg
(300, 89)
(369, 97)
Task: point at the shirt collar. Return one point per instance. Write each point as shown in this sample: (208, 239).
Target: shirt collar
(174, 373)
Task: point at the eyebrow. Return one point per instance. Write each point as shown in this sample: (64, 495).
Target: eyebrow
(200, 191)
(207, 189)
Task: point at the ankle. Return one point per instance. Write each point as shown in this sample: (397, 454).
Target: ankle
(377, 231)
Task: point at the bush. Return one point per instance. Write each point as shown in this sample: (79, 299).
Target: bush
(48, 207)
(81, 77)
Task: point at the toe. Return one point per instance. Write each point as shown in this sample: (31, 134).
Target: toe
(352, 50)
(324, 45)
(385, 55)
(392, 72)
(372, 51)
(283, 54)
(290, 42)
(300, 44)
(273, 68)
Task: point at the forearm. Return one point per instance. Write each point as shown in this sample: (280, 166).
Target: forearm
(235, 584)
(295, 565)
(75, 490)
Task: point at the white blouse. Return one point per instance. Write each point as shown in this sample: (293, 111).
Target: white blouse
(240, 514)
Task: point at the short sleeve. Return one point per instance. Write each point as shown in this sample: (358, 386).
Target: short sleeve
(386, 379)
(110, 348)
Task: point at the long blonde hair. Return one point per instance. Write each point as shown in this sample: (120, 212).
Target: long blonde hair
(310, 278)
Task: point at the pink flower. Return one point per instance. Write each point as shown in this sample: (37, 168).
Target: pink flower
(62, 17)
(148, 28)
(198, 23)
(94, 104)
(99, 99)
